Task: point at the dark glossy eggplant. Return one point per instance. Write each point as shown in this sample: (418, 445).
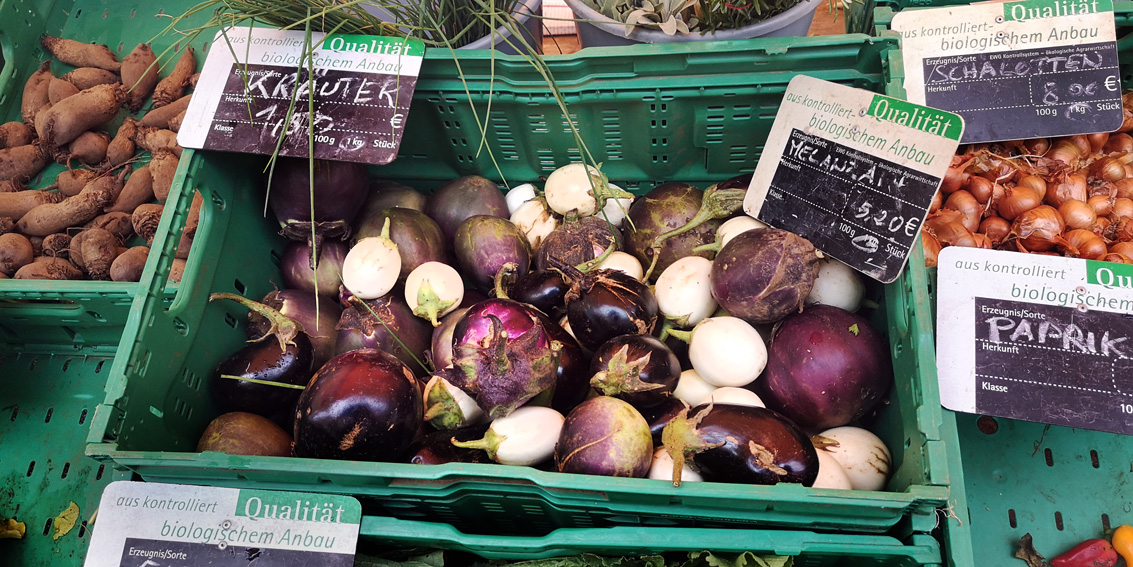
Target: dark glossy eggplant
(340, 188)
(572, 379)
(741, 444)
(363, 405)
(386, 194)
(267, 375)
(639, 369)
(387, 324)
(543, 289)
(436, 448)
(604, 304)
(660, 415)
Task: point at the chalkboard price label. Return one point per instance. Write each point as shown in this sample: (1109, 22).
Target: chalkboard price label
(164, 525)
(1037, 338)
(258, 90)
(1016, 69)
(852, 171)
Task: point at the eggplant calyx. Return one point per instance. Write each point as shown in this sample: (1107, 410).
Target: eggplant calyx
(429, 304)
(490, 443)
(441, 408)
(602, 190)
(680, 335)
(623, 376)
(505, 279)
(715, 204)
(315, 232)
(823, 443)
(710, 247)
(284, 328)
(683, 441)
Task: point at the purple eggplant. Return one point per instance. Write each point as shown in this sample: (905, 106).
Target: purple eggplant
(340, 189)
(484, 244)
(577, 242)
(418, 238)
(639, 369)
(603, 304)
(299, 272)
(319, 320)
(667, 207)
(386, 194)
(504, 355)
(604, 436)
(436, 448)
(440, 349)
(740, 444)
(572, 379)
(386, 324)
(763, 275)
(462, 198)
(543, 289)
(266, 376)
(363, 405)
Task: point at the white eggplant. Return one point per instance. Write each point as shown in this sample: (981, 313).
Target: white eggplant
(737, 225)
(736, 397)
(526, 436)
(449, 407)
(830, 473)
(684, 292)
(726, 351)
(838, 285)
(433, 290)
(623, 262)
(579, 189)
(692, 389)
(534, 221)
(662, 468)
(519, 195)
(863, 455)
(372, 265)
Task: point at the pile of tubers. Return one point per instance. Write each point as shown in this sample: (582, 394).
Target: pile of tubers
(1069, 196)
(99, 217)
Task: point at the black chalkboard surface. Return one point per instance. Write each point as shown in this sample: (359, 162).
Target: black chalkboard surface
(1054, 364)
(858, 208)
(1007, 95)
(157, 553)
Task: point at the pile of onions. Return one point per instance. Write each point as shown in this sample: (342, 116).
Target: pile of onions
(1069, 196)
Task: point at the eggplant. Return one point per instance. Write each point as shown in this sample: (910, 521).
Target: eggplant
(242, 433)
(605, 436)
(667, 207)
(572, 378)
(436, 448)
(740, 444)
(363, 405)
(449, 407)
(603, 304)
(301, 273)
(465, 197)
(763, 275)
(639, 369)
(318, 319)
(266, 376)
(388, 194)
(440, 349)
(484, 244)
(543, 289)
(340, 189)
(418, 238)
(577, 242)
(387, 324)
(524, 437)
(660, 415)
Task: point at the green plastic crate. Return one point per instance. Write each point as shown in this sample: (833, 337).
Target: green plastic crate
(696, 113)
(72, 315)
(810, 549)
(1062, 485)
(44, 418)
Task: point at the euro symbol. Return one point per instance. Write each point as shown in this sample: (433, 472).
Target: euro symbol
(1111, 82)
(395, 120)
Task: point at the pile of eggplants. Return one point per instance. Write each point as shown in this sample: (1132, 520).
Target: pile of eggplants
(575, 328)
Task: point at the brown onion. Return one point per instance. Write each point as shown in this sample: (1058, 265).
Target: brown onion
(1084, 244)
(982, 189)
(1065, 152)
(947, 226)
(1034, 182)
(1101, 204)
(956, 176)
(931, 249)
(1073, 188)
(1102, 224)
(1017, 200)
(1124, 188)
(967, 205)
(995, 228)
(1097, 141)
(1116, 258)
(1108, 169)
(1121, 230)
(1038, 229)
(1122, 208)
(1127, 123)
(1123, 248)
(1082, 143)
(937, 202)
(982, 241)
(1037, 146)
(1077, 214)
(1119, 143)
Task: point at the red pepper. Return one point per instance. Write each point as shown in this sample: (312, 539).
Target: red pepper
(1089, 553)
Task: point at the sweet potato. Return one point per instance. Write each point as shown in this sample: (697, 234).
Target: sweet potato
(160, 117)
(190, 230)
(193, 80)
(163, 166)
(138, 190)
(78, 113)
(175, 122)
(119, 224)
(22, 162)
(71, 181)
(173, 86)
(35, 93)
(7, 224)
(176, 270)
(86, 77)
(128, 266)
(59, 89)
(12, 185)
(14, 134)
(154, 139)
(139, 76)
(49, 268)
(58, 244)
(72, 211)
(89, 148)
(94, 250)
(78, 54)
(15, 252)
(17, 204)
(145, 220)
(121, 148)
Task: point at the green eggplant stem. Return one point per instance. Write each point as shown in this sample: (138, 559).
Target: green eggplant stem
(505, 277)
(715, 204)
(588, 266)
(490, 443)
(284, 328)
(678, 334)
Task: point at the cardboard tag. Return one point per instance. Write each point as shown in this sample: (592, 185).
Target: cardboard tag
(1037, 338)
(1016, 70)
(852, 171)
(143, 524)
(363, 86)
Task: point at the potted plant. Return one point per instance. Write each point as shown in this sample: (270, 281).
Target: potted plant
(467, 24)
(627, 22)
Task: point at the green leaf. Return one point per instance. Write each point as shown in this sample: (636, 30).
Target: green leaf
(745, 559)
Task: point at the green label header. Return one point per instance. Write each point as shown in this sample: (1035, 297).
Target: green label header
(1038, 9)
(1109, 274)
(917, 117)
(299, 507)
(374, 44)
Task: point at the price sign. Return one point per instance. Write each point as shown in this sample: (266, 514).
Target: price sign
(852, 171)
(1040, 338)
(256, 87)
(1016, 69)
(161, 525)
